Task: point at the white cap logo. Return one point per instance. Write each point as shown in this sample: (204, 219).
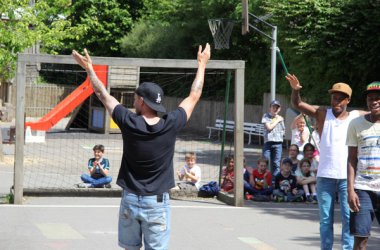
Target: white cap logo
(158, 100)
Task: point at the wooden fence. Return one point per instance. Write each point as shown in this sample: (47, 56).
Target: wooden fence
(40, 99)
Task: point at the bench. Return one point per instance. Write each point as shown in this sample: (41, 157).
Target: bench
(254, 129)
(230, 127)
(249, 129)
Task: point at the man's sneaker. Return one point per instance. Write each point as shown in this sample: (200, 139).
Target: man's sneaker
(107, 185)
(309, 199)
(83, 185)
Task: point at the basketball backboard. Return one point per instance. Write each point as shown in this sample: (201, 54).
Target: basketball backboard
(245, 17)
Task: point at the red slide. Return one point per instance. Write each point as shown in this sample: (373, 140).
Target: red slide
(68, 104)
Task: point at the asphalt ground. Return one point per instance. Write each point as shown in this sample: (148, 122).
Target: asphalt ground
(91, 223)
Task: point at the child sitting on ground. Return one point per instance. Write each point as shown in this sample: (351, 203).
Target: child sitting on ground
(286, 184)
(98, 168)
(247, 171)
(228, 175)
(261, 181)
(309, 153)
(293, 153)
(306, 178)
(190, 173)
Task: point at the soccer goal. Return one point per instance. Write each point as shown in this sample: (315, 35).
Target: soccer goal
(68, 120)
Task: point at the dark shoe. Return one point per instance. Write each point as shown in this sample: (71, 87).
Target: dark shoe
(315, 199)
(107, 185)
(261, 198)
(280, 199)
(309, 199)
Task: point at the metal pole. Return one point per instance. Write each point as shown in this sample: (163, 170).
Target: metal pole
(273, 64)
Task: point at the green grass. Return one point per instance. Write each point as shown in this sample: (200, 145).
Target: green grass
(9, 198)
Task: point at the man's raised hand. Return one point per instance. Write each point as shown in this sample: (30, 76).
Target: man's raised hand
(204, 56)
(84, 61)
(293, 80)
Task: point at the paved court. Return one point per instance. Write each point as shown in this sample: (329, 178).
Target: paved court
(91, 223)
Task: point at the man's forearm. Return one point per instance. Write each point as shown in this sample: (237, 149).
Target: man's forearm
(350, 176)
(197, 86)
(296, 97)
(97, 85)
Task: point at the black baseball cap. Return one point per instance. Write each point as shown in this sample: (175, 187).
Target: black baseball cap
(152, 94)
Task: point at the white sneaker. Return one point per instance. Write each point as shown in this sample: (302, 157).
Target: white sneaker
(83, 185)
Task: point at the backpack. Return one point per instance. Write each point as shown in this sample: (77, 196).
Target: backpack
(210, 189)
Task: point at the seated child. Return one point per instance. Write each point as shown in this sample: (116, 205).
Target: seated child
(260, 181)
(306, 178)
(190, 173)
(285, 188)
(300, 132)
(246, 177)
(98, 168)
(309, 153)
(293, 153)
(228, 175)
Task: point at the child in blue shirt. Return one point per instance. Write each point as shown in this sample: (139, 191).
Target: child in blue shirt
(98, 168)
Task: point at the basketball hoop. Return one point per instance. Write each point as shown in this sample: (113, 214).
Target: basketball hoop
(221, 30)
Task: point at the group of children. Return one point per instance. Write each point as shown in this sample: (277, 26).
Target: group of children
(296, 180)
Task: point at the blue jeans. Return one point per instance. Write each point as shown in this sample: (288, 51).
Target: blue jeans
(96, 182)
(264, 191)
(273, 151)
(326, 191)
(144, 216)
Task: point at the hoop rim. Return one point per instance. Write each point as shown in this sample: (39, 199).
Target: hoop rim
(223, 19)
(221, 29)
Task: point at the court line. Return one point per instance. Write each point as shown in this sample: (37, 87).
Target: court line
(172, 206)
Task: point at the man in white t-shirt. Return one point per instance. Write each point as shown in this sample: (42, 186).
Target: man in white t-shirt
(332, 124)
(363, 141)
(190, 173)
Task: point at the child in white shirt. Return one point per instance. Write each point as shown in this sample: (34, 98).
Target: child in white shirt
(190, 173)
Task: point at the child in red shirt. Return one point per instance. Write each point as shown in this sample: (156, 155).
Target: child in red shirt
(228, 175)
(261, 179)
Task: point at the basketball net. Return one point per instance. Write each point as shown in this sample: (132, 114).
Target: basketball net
(221, 30)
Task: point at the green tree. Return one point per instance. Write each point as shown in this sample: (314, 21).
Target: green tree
(174, 29)
(329, 41)
(104, 22)
(24, 24)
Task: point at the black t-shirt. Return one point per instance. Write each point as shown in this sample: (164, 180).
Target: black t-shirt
(147, 161)
(285, 184)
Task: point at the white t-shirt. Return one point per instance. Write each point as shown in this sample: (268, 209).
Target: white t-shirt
(366, 137)
(299, 173)
(195, 170)
(296, 138)
(333, 149)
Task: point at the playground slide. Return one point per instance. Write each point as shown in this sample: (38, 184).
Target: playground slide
(68, 104)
